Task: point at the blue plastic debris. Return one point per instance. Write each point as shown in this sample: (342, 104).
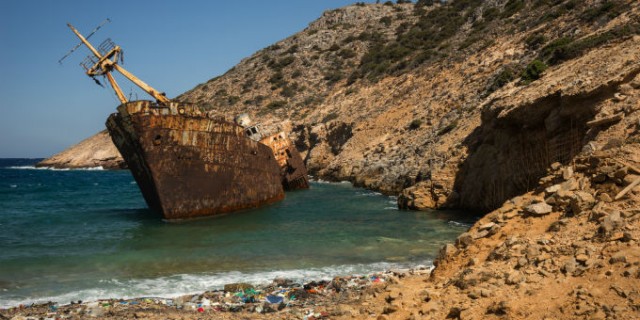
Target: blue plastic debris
(274, 299)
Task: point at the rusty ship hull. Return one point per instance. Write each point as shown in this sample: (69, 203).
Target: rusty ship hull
(188, 165)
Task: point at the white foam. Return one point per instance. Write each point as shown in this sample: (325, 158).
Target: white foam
(98, 168)
(460, 224)
(183, 284)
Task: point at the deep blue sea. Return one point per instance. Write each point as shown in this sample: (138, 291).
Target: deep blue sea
(68, 235)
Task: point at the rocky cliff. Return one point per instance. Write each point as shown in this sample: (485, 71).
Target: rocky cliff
(95, 151)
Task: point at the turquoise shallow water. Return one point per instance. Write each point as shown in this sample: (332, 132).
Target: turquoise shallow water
(86, 234)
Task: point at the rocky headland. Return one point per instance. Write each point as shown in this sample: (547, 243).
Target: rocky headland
(528, 111)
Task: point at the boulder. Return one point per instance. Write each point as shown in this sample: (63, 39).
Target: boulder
(417, 197)
(538, 209)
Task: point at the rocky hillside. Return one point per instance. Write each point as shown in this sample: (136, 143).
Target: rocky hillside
(458, 105)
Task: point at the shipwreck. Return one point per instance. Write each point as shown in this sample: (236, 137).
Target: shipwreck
(187, 163)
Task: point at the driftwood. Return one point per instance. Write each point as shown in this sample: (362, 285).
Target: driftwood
(627, 189)
(632, 167)
(614, 118)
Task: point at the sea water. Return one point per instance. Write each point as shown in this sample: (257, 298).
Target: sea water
(68, 235)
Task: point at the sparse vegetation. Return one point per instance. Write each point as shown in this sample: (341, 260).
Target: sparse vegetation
(275, 105)
(386, 20)
(511, 8)
(503, 77)
(278, 65)
(533, 71)
(333, 76)
(568, 48)
(415, 124)
(535, 41)
(448, 128)
(329, 117)
(607, 10)
(277, 80)
(346, 53)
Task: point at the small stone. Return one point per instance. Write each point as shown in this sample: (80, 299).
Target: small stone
(538, 209)
(390, 309)
(553, 189)
(464, 240)
(569, 266)
(522, 262)
(616, 236)
(514, 277)
(570, 185)
(555, 166)
(631, 272)
(604, 197)
(510, 215)
(611, 222)
(447, 251)
(474, 294)
(618, 97)
(582, 258)
(581, 201)
(481, 234)
(567, 173)
(617, 258)
(486, 226)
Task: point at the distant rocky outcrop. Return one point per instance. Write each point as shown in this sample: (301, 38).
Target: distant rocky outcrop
(95, 151)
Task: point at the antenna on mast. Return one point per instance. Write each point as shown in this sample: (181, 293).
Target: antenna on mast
(107, 20)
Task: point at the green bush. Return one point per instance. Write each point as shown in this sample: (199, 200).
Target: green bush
(277, 80)
(608, 9)
(275, 105)
(231, 100)
(511, 8)
(334, 47)
(556, 51)
(415, 124)
(535, 41)
(505, 76)
(329, 117)
(386, 20)
(425, 3)
(333, 76)
(346, 53)
(448, 128)
(533, 71)
(278, 65)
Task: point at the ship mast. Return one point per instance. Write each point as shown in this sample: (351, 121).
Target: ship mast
(106, 60)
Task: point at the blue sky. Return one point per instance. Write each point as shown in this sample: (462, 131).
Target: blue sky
(172, 45)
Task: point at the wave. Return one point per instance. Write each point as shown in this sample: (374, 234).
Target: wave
(460, 224)
(98, 168)
(185, 284)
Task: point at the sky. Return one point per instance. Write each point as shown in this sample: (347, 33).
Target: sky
(173, 46)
